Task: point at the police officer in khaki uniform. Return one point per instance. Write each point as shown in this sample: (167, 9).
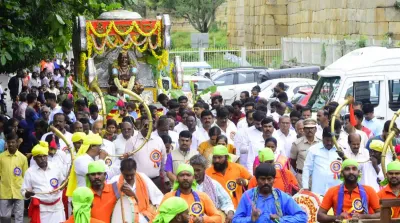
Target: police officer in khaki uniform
(299, 150)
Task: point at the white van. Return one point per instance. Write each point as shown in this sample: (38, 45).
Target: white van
(375, 73)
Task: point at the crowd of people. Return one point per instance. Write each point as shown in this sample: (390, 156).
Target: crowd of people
(208, 163)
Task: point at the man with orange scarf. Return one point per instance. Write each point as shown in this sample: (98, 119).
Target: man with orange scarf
(284, 179)
(43, 178)
(145, 191)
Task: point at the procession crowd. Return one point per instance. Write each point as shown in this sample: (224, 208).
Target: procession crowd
(201, 163)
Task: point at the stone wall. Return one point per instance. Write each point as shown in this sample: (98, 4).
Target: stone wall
(264, 22)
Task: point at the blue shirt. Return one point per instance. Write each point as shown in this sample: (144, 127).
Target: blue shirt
(291, 211)
(374, 125)
(318, 166)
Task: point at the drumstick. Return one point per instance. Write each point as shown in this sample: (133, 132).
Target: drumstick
(122, 209)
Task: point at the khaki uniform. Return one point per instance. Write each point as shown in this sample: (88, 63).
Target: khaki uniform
(299, 153)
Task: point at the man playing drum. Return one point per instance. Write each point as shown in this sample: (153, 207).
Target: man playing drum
(173, 210)
(201, 206)
(145, 190)
(82, 199)
(349, 200)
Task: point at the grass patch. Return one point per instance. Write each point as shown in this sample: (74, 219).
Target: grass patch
(182, 40)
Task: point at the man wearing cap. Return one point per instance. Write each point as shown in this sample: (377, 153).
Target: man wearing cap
(322, 164)
(392, 186)
(349, 200)
(43, 178)
(284, 179)
(173, 210)
(200, 204)
(301, 146)
(266, 203)
(77, 140)
(105, 195)
(82, 199)
(372, 170)
(232, 176)
(211, 187)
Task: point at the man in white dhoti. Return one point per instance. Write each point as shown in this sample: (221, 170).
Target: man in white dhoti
(43, 178)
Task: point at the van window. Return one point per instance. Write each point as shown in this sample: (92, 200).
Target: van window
(244, 77)
(224, 80)
(394, 94)
(366, 92)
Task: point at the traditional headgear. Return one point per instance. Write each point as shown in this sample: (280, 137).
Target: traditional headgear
(170, 208)
(221, 150)
(346, 163)
(376, 145)
(184, 167)
(265, 154)
(41, 149)
(392, 166)
(82, 199)
(78, 136)
(95, 167)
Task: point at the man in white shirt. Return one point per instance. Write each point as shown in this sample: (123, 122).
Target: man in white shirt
(163, 129)
(151, 157)
(227, 127)
(107, 145)
(143, 187)
(323, 121)
(239, 142)
(201, 134)
(60, 122)
(356, 151)
(370, 121)
(51, 101)
(348, 129)
(181, 126)
(122, 139)
(35, 81)
(246, 122)
(66, 108)
(43, 178)
(285, 135)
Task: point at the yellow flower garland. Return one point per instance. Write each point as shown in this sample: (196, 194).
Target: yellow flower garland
(82, 67)
(171, 76)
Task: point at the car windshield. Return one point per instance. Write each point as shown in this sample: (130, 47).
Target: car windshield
(298, 97)
(201, 85)
(323, 92)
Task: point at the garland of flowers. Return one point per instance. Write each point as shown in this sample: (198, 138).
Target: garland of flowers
(171, 76)
(82, 67)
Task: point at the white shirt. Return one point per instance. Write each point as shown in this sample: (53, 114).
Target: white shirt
(143, 156)
(71, 115)
(242, 124)
(35, 82)
(119, 144)
(319, 131)
(155, 195)
(81, 168)
(54, 91)
(275, 116)
(62, 147)
(180, 127)
(286, 141)
(361, 156)
(241, 146)
(58, 160)
(39, 180)
(174, 137)
(99, 118)
(230, 131)
(344, 139)
(199, 136)
(369, 176)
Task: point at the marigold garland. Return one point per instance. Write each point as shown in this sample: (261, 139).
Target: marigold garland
(171, 76)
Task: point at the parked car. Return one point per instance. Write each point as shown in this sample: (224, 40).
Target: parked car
(201, 82)
(232, 81)
(301, 97)
(292, 86)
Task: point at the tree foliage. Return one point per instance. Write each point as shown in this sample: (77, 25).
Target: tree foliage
(31, 30)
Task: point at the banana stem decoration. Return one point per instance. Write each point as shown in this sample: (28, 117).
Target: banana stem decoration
(348, 101)
(148, 113)
(94, 86)
(71, 151)
(393, 132)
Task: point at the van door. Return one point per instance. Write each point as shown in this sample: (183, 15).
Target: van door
(393, 95)
(369, 89)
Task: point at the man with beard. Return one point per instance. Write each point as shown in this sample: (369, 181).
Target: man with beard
(105, 195)
(227, 127)
(349, 200)
(248, 120)
(215, 191)
(266, 203)
(179, 156)
(391, 191)
(43, 178)
(201, 134)
(151, 158)
(322, 164)
(231, 175)
(301, 146)
(244, 96)
(173, 210)
(146, 192)
(200, 205)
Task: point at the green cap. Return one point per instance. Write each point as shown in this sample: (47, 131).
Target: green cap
(184, 167)
(82, 199)
(221, 150)
(169, 209)
(95, 167)
(265, 154)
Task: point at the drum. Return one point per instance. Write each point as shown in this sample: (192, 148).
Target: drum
(130, 211)
(309, 202)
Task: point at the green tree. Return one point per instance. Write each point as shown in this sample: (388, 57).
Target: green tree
(31, 30)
